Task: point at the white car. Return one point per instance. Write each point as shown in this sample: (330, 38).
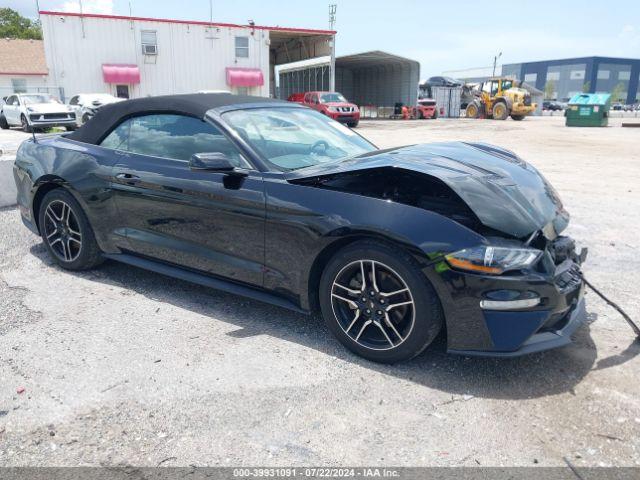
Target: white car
(36, 111)
(85, 105)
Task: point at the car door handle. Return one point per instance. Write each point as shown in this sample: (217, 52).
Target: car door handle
(128, 178)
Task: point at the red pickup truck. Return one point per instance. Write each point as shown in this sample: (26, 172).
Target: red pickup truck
(331, 104)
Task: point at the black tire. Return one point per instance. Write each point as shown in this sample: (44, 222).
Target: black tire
(472, 110)
(4, 125)
(420, 323)
(517, 117)
(435, 114)
(25, 124)
(85, 118)
(420, 115)
(353, 124)
(83, 257)
(500, 111)
(71, 128)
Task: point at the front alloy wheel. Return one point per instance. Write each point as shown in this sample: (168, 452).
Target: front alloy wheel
(378, 303)
(373, 305)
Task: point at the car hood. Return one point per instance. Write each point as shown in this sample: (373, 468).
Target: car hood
(339, 104)
(505, 193)
(46, 107)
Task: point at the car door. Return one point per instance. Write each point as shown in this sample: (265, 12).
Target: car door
(207, 221)
(11, 110)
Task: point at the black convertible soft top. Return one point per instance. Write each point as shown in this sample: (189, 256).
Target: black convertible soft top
(194, 104)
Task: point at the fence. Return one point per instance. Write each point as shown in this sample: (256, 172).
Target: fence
(57, 92)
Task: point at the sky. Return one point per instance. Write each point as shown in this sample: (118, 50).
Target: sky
(442, 36)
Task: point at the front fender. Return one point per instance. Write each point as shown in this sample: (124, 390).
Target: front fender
(308, 219)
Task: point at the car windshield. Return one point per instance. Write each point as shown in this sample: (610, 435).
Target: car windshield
(40, 98)
(332, 97)
(293, 138)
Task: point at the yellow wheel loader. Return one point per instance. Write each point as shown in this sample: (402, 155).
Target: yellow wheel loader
(499, 98)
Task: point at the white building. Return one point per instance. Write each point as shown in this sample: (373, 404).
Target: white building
(136, 57)
(22, 66)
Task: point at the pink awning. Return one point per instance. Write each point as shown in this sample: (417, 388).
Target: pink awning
(244, 77)
(120, 73)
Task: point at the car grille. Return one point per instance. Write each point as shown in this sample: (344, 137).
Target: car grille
(52, 116)
(569, 279)
(345, 109)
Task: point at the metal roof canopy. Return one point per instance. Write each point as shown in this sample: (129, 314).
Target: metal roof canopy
(378, 78)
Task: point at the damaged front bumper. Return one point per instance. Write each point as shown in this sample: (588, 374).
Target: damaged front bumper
(484, 316)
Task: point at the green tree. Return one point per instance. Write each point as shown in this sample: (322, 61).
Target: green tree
(549, 89)
(616, 93)
(14, 25)
(586, 87)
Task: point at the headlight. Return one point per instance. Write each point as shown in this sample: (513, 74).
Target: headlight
(332, 109)
(493, 260)
(29, 109)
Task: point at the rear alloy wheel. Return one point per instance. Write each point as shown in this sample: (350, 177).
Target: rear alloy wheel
(378, 303)
(25, 124)
(500, 111)
(66, 232)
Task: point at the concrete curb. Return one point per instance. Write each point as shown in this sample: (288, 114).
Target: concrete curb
(8, 190)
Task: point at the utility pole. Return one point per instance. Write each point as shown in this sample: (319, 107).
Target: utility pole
(332, 68)
(495, 62)
(210, 13)
(81, 18)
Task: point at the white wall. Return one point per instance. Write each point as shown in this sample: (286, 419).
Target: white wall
(34, 82)
(190, 57)
(8, 191)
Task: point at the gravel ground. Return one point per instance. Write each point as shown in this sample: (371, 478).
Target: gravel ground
(121, 366)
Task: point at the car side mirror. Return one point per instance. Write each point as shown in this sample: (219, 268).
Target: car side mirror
(214, 162)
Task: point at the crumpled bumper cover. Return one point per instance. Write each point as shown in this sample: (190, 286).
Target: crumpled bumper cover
(511, 330)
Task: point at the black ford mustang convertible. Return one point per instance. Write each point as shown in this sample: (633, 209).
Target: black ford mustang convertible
(277, 202)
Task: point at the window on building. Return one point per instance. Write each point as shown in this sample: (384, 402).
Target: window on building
(553, 76)
(122, 91)
(624, 75)
(531, 77)
(603, 74)
(242, 47)
(577, 75)
(149, 40)
(19, 85)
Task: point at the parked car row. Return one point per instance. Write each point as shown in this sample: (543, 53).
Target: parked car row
(39, 111)
(625, 108)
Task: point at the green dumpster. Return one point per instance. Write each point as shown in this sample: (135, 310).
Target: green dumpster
(588, 110)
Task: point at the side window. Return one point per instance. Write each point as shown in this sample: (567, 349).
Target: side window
(10, 100)
(178, 137)
(118, 138)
